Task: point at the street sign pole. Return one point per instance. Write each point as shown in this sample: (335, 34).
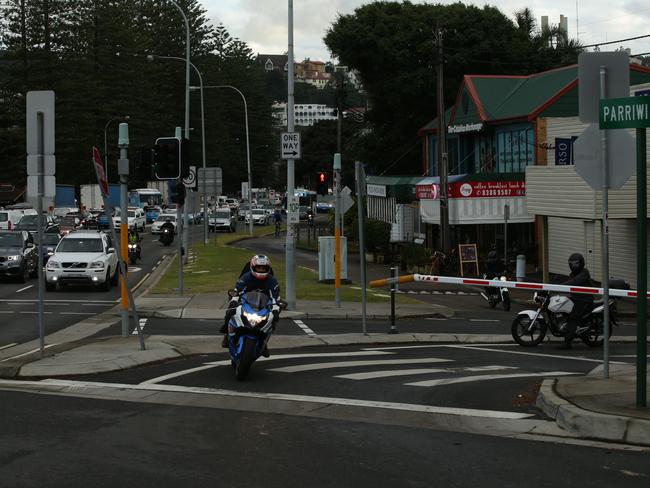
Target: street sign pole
(642, 268)
(361, 190)
(605, 230)
(123, 171)
(290, 276)
(40, 123)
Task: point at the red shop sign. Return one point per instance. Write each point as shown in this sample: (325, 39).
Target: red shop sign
(487, 189)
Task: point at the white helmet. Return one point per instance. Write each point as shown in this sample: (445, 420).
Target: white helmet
(260, 266)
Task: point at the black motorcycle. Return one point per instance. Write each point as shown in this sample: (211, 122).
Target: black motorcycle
(134, 253)
(166, 236)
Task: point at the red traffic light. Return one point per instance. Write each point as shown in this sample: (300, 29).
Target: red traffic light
(322, 177)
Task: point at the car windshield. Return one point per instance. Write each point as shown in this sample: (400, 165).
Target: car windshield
(4, 216)
(68, 221)
(131, 213)
(11, 240)
(303, 209)
(222, 215)
(163, 218)
(29, 220)
(79, 244)
(244, 206)
(258, 211)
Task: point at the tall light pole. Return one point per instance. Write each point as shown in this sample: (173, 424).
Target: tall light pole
(248, 155)
(152, 57)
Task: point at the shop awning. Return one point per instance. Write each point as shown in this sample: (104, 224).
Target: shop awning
(401, 188)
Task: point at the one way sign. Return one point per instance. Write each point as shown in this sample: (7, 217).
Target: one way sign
(290, 145)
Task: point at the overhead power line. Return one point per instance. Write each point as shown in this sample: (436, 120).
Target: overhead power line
(617, 41)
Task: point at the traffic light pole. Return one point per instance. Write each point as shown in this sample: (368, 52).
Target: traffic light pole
(179, 222)
(337, 228)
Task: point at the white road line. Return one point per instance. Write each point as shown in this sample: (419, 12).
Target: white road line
(33, 312)
(489, 368)
(16, 301)
(370, 375)
(486, 377)
(484, 320)
(26, 288)
(436, 318)
(227, 362)
(27, 353)
(94, 304)
(7, 311)
(304, 328)
(353, 364)
(425, 347)
(154, 268)
(557, 356)
(140, 282)
(142, 323)
(77, 313)
(6, 346)
(351, 402)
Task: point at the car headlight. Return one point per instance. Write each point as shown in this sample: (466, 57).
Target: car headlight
(97, 264)
(15, 257)
(253, 318)
(53, 264)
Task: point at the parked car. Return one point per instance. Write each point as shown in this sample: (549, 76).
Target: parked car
(83, 257)
(30, 223)
(222, 219)
(18, 255)
(260, 217)
(162, 218)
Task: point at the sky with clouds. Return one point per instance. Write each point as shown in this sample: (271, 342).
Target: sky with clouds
(263, 23)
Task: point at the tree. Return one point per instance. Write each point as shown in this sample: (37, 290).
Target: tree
(392, 46)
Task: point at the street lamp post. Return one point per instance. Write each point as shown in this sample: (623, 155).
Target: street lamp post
(152, 57)
(248, 155)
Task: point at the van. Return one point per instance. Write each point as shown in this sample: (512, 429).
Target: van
(9, 218)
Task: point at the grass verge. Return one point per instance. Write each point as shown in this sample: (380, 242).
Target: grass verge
(215, 268)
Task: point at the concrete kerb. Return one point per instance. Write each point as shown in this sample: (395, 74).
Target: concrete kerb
(590, 424)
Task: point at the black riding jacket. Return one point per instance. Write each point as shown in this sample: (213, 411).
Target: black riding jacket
(582, 278)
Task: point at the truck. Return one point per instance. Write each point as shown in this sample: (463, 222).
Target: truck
(65, 196)
(91, 196)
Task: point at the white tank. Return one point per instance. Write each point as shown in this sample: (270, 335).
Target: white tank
(560, 304)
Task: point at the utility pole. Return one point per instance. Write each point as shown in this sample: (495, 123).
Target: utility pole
(445, 241)
(123, 171)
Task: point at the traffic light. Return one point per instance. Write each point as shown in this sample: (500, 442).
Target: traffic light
(322, 183)
(167, 158)
(171, 158)
(177, 192)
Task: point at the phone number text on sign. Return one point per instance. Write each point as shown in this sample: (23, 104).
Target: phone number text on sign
(487, 189)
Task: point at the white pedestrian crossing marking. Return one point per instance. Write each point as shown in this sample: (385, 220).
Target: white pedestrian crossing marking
(486, 377)
(387, 374)
(353, 364)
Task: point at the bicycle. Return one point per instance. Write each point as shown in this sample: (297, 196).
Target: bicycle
(278, 224)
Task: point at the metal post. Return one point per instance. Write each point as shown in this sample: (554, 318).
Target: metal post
(40, 130)
(605, 231)
(337, 228)
(506, 216)
(248, 162)
(123, 171)
(642, 269)
(361, 190)
(393, 274)
(290, 277)
(445, 241)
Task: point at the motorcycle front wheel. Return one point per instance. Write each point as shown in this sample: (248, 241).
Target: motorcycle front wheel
(523, 336)
(243, 365)
(595, 335)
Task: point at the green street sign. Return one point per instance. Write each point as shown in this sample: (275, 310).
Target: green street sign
(625, 113)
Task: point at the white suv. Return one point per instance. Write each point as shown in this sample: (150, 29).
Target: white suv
(82, 257)
(136, 218)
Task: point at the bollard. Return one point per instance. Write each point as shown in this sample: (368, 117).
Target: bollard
(393, 327)
(521, 267)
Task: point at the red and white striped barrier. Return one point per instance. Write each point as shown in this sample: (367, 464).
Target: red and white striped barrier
(613, 292)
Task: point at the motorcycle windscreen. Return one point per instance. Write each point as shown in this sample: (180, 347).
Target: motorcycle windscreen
(257, 300)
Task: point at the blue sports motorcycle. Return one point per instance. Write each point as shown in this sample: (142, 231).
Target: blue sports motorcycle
(250, 329)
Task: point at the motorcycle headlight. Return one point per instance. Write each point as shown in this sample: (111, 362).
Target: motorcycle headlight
(15, 257)
(97, 264)
(253, 318)
(131, 246)
(503, 278)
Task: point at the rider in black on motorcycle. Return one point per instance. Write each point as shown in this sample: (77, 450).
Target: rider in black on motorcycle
(582, 303)
(260, 277)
